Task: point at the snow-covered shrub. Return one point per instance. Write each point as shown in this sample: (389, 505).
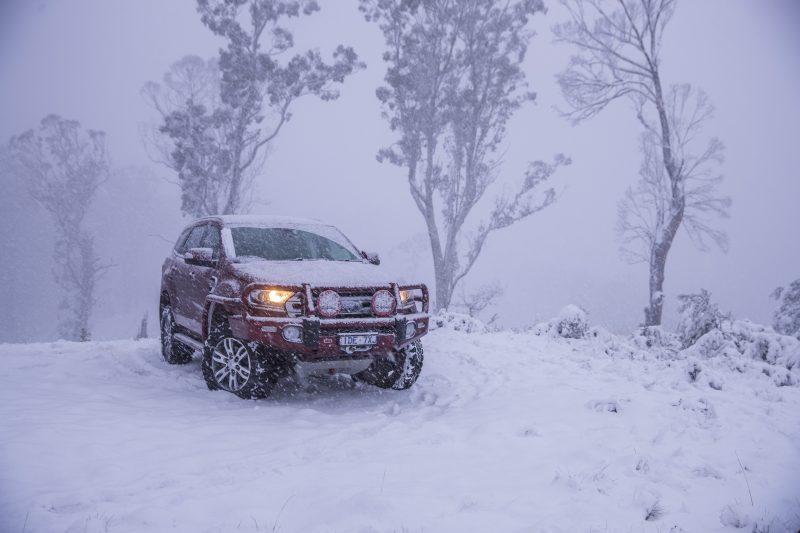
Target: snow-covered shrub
(613, 345)
(655, 338)
(712, 344)
(698, 316)
(571, 323)
(741, 344)
(458, 322)
(787, 317)
(762, 343)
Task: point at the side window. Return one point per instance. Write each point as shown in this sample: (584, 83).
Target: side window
(194, 239)
(212, 240)
(180, 244)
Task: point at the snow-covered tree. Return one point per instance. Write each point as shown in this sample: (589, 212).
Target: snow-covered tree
(230, 109)
(618, 56)
(698, 316)
(192, 136)
(64, 164)
(787, 316)
(454, 79)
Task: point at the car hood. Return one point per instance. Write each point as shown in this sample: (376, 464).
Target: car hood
(316, 273)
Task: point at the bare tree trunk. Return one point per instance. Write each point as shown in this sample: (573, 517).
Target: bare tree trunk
(652, 313)
(232, 202)
(658, 263)
(440, 264)
(443, 293)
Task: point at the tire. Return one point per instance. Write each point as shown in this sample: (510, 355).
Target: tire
(236, 366)
(174, 352)
(399, 374)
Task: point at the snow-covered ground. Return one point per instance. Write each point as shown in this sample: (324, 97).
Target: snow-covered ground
(503, 432)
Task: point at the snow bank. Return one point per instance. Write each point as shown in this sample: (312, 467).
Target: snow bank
(458, 322)
(502, 432)
(706, 339)
(572, 322)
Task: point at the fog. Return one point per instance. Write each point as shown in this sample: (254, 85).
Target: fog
(88, 60)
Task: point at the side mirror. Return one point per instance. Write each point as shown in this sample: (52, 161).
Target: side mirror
(372, 257)
(200, 257)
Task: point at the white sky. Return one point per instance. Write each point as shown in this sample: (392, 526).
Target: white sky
(88, 59)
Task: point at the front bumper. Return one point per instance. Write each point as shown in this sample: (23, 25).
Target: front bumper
(320, 337)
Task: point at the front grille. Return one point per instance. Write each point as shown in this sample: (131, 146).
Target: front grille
(355, 305)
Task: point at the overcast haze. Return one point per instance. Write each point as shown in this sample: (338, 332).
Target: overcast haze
(88, 60)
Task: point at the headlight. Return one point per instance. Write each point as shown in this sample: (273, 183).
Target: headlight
(270, 298)
(405, 296)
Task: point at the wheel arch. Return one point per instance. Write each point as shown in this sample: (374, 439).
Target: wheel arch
(163, 301)
(211, 311)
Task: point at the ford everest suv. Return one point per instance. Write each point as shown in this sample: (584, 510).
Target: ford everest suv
(262, 297)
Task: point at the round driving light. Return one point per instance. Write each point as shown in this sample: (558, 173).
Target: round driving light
(329, 304)
(383, 303)
(411, 330)
(293, 333)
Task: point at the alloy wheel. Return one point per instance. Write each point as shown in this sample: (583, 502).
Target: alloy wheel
(230, 364)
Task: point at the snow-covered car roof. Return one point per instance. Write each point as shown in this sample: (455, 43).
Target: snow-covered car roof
(263, 220)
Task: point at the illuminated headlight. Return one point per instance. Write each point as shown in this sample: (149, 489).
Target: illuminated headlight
(270, 298)
(383, 303)
(329, 304)
(293, 333)
(408, 297)
(411, 330)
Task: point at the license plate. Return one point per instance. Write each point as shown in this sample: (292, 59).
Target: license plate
(358, 339)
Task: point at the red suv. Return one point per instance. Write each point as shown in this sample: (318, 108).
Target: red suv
(263, 297)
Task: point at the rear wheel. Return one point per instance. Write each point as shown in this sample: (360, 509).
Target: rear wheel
(399, 374)
(233, 365)
(174, 352)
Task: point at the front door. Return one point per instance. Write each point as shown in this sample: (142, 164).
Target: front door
(202, 279)
(182, 276)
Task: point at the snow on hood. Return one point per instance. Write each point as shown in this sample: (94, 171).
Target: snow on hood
(319, 273)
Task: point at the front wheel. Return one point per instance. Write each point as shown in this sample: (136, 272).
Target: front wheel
(235, 366)
(399, 374)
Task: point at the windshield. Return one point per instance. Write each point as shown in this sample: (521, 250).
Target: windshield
(292, 244)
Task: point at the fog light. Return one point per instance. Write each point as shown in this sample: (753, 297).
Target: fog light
(383, 303)
(411, 330)
(329, 304)
(293, 333)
